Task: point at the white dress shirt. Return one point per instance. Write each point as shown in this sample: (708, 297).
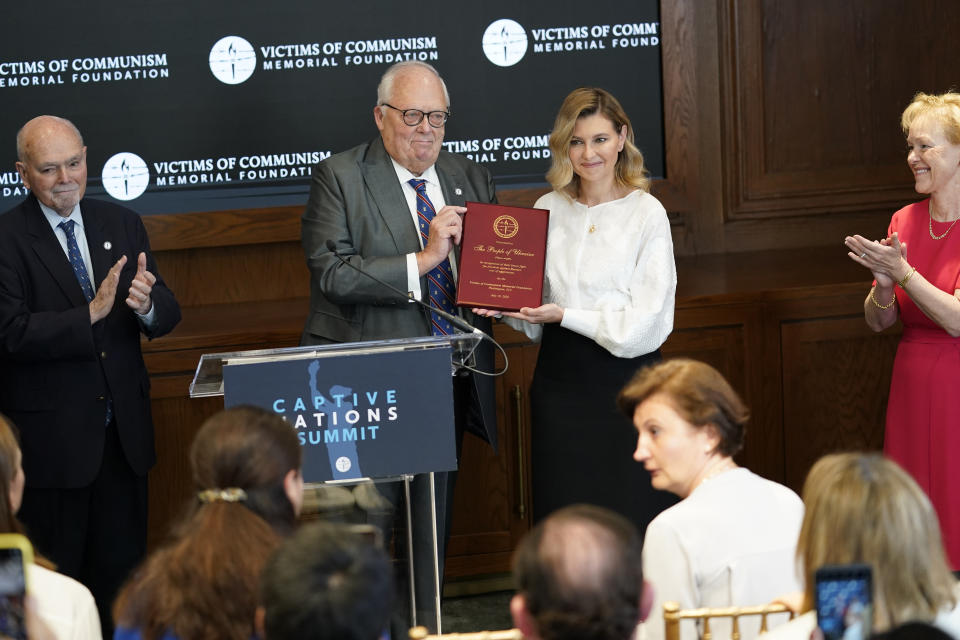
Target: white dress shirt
(435, 194)
(55, 219)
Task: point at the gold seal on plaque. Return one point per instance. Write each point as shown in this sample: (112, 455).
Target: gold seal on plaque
(506, 226)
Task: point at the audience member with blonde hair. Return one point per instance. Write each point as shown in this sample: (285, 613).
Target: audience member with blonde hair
(63, 607)
(203, 583)
(731, 539)
(863, 508)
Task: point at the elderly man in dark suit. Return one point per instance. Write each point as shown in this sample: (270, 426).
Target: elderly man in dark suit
(393, 207)
(72, 376)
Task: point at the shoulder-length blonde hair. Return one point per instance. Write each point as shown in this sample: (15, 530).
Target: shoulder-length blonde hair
(863, 508)
(582, 102)
(944, 109)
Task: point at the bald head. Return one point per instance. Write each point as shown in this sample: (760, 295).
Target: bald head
(52, 162)
(580, 553)
(44, 126)
(579, 576)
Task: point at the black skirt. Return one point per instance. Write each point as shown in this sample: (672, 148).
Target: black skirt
(582, 446)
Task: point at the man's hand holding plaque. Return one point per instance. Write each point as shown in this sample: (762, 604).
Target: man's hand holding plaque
(502, 255)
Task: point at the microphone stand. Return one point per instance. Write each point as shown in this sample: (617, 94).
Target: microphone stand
(458, 322)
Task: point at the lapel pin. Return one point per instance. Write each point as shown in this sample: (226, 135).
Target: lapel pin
(107, 245)
(458, 191)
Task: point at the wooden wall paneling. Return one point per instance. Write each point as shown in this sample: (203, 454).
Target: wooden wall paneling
(177, 420)
(836, 379)
(492, 496)
(815, 120)
(731, 338)
(242, 273)
(800, 231)
(203, 230)
(691, 191)
(812, 94)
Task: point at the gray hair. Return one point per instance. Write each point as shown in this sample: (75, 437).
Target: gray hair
(385, 88)
(21, 137)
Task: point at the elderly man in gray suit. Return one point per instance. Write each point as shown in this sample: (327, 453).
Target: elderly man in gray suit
(374, 204)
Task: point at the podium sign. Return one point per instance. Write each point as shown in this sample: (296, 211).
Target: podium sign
(361, 415)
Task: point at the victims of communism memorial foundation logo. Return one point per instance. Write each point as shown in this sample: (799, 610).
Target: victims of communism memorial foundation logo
(125, 176)
(232, 60)
(506, 226)
(504, 42)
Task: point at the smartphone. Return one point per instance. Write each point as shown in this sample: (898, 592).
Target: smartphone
(15, 554)
(844, 595)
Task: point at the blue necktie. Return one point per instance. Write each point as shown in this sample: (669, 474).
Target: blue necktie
(76, 260)
(442, 291)
(80, 270)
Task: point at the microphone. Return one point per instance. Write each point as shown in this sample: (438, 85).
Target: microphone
(458, 322)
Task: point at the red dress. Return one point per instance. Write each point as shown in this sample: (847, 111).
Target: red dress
(923, 413)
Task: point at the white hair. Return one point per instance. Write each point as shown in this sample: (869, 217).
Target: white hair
(385, 88)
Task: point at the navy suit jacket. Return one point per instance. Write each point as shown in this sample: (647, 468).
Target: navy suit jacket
(56, 369)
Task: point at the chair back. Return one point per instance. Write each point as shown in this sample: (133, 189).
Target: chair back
(421, 633)
(673, 614)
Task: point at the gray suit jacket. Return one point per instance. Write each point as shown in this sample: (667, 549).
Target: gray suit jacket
(357, 201)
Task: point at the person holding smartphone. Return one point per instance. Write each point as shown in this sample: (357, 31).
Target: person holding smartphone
(61, 605)
(862, 508)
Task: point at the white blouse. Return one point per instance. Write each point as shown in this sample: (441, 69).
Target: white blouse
(611, 268)
(64, 605)
(731, 542)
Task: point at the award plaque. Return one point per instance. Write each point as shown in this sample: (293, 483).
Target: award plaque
(502, 253)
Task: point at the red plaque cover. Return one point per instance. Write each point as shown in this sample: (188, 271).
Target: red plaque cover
(502, 253)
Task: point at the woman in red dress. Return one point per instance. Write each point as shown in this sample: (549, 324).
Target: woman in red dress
(922, 289)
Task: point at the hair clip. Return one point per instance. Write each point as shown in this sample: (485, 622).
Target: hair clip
(231, 494)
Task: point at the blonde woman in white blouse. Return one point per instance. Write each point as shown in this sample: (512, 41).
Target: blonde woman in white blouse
(609, 289)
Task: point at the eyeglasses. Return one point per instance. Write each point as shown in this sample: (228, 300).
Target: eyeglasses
(413, 117)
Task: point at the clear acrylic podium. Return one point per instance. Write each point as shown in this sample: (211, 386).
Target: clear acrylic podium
(330, 394)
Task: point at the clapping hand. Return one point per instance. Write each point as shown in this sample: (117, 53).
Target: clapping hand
(884, 257)
(139, 297)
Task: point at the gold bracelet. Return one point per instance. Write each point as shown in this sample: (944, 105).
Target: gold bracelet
(873, 299)
(907, 277)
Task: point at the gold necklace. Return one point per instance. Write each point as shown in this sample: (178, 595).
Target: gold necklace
(930, 224)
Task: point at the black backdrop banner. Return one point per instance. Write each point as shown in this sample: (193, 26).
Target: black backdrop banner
(204, 106)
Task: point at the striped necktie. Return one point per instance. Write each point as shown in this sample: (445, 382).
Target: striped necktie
(442, 291)
(76, 261)
(80, 270)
